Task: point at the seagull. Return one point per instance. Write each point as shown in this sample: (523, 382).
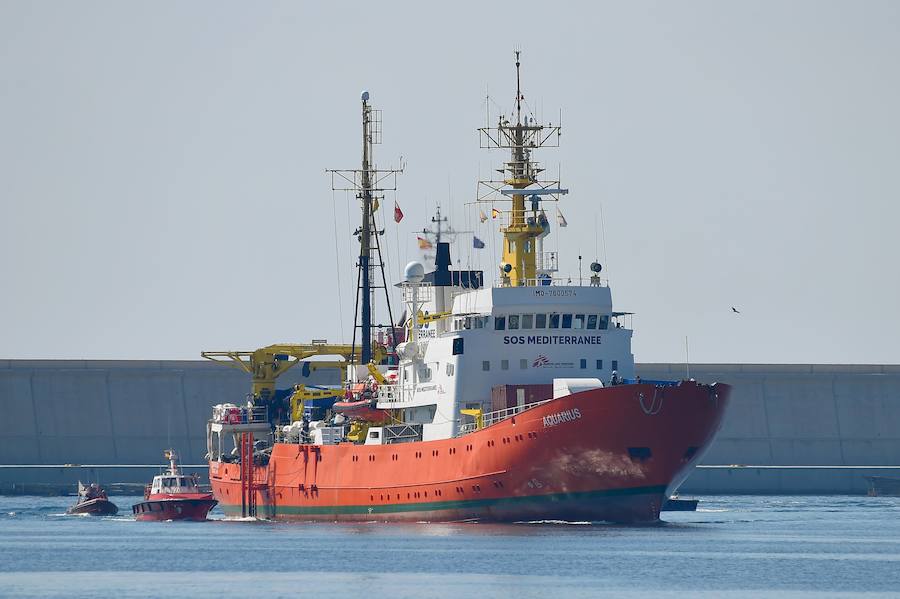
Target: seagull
(735, 310)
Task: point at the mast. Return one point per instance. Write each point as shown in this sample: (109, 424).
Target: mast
(442, 230)
(368, 182)
(364, 290)
(438, 220)
(519, 264)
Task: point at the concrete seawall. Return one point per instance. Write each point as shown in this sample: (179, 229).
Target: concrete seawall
(111, 412)
(798, 415)
(127, 412)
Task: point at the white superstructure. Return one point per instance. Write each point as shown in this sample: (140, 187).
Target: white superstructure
(500, 336)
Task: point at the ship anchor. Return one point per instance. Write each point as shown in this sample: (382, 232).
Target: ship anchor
(654, 407)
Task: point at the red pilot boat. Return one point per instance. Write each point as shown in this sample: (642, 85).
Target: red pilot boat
(92, 501)
(174, 496)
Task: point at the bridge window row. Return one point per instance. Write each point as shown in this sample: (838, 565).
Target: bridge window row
(553, 320)
(523, 364)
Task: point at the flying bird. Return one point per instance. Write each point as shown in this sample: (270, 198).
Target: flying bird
(735, 310)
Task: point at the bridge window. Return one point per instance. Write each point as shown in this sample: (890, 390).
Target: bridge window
(499, 323)
(513, 321)
(592, 321)
(421, 415)
(458, 346)
(554, 321)
(540, 321)
(579, 321)
(604, 322)
(527, 321)
(567, 321)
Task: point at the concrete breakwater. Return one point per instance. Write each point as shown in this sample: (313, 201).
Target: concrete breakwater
(807, 426)
(92, 412)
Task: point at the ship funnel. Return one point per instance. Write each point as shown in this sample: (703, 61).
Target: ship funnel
(442, 265)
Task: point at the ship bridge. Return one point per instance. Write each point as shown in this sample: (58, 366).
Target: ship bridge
(542, 298)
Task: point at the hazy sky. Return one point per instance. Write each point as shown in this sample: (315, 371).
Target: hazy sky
(162, 185)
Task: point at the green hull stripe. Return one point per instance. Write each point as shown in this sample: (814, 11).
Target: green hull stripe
(436, 506)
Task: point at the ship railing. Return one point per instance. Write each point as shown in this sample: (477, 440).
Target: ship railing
(547, 261)
(402, 433)
(491, 418)
(231, 414)
(395, 393)
(424, 292)
(550, 281)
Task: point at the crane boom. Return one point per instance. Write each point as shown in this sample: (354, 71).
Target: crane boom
(266, 364)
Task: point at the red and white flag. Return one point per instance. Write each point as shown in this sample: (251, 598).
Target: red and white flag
(398, 214)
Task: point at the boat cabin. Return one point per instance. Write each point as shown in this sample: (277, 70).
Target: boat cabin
(173, 484)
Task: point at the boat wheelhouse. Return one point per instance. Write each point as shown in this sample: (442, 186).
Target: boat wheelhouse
(174, 496)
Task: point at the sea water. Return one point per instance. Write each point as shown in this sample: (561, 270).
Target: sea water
(784, 546)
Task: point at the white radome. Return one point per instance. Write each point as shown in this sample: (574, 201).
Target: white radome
(414, 272)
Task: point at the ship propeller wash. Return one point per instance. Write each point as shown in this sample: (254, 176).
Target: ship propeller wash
(513, 401)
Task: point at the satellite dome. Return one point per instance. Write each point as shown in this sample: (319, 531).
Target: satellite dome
(365, 95)
(414, 272)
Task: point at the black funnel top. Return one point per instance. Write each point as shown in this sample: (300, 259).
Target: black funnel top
(442, 264)
(444, 277)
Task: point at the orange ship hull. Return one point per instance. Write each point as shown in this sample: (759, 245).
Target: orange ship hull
(610, 454)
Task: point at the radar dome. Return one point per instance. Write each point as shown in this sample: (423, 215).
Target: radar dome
(414, 272)
(365, 95)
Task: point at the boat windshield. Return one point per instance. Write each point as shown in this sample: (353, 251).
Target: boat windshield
(174, 484)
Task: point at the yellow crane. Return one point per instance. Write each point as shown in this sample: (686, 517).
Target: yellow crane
(423, 318)
(301, 394)
(266, 364)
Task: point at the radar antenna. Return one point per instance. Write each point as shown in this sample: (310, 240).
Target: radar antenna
(524, 261)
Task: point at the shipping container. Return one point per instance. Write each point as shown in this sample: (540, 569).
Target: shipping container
(510, 396)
